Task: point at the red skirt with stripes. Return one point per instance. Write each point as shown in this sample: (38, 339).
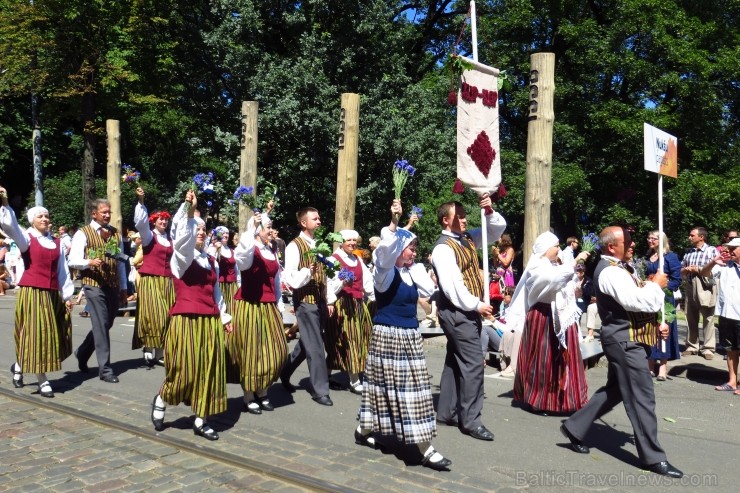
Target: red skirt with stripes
(548, 377)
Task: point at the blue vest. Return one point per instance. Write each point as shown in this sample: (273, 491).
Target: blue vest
(397, 305)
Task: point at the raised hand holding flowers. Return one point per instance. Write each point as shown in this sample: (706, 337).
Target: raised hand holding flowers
(130, 175)
(402, 170)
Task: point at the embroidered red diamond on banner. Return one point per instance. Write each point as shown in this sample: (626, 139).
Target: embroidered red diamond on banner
(482, 153)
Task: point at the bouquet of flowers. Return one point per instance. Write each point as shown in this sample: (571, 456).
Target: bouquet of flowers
(402, 170)
(590, 243)
(203, 182)
(269, 193)
(416, 210)
(130, 175)
(346, 275)
(246, 196)
(323, 250)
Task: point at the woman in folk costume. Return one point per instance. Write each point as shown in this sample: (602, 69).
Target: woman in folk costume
(257, 348)
(397, 395)
(224, 255)
(155, 290)
(348, 331)
(194, 344)
(43, 326)
(549, 375)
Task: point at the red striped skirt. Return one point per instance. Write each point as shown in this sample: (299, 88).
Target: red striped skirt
(548, 377)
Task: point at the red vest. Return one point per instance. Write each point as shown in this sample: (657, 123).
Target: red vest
(157, 259)
(354, 290)
(40, 266)
(194, 291)
(227, 268)
(258, 282)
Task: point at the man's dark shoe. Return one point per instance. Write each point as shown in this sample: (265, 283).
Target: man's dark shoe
(481, 433)
(664, 469)
(109, 378)
(82, 365)
(575, 443)
(324, 400)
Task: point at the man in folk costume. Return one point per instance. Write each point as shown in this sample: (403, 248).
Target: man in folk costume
(460, 311)
(103, 282)
(156, 292)
(348, 331)
(628, 331)
(307, 278)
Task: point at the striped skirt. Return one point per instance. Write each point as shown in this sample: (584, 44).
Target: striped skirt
(348, 335)
(155, 296)
(195, 364)
(228, 290)
(43, 330)
(256, 350)
(548, 377)
(397, 395)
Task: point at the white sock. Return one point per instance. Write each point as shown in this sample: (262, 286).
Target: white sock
(427, 448)
(199, 422)
(366, 434)
(159, 403)
(148, 356)
(17, 375)
(44, 386)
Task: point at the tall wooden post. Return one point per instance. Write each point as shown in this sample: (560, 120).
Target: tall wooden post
(248, 157)
(349, 130)
(537, 199)
(113, 133)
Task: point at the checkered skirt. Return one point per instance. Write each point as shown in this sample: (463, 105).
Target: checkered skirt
(397, 395)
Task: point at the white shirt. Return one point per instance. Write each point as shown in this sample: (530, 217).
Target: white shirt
(292, 276)
(567, 256)
(619, 284)
(185, 254)
(449, 276)
(22, 239)
(65, 243)
(77, 260)
(244, 256)
(545, 280)
(728, 296)
(384, 258)
(141, 222)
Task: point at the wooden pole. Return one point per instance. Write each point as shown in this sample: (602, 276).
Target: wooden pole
(537, 199)
(113, 133)
(248, 163)
(349, 130)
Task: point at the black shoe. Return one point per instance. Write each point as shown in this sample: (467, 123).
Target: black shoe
(205, 431)
(287, 385)
(366, 440)
(46, 393)
(448, 422)
(324, 400)
(251, 409)
(265, 404)
(575, 443)
(158, 423)
(481, 433)
(82, 365)
(16, 383)
(441, 465)
(110, 378)
(664, 469)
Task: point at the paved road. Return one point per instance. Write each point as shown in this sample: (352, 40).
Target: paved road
(308, 442)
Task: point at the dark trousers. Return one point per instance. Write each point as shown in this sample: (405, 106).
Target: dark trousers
(628, 381)
(102, 303)
(310, 347)
(461, 385)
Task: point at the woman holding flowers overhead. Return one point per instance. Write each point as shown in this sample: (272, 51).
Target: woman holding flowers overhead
(348, 331)
(257, 349)
(194, 355)
(156, 293)
(43, 327)
(397, 395)
(549, 375)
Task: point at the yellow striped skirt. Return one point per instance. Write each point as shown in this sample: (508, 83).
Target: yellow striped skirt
(155, 296)
(347, 335)
(43, 330)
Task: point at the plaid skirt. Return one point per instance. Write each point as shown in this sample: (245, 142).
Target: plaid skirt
(155, 296)
(256, 350)
(548, 377)
(397, 395)
(43, 330)
(195, 364)
(347, 335)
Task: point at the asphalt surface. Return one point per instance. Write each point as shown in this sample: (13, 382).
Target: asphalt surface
(94, 426)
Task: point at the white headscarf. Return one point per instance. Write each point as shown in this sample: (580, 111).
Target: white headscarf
(35, 211)
(349, 234)
(519, 306)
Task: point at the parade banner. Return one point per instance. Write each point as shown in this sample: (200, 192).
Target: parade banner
(478, 162)
(661, 151)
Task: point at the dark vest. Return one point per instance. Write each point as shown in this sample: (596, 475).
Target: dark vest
(315, 290)
(396, 306)
(466, 257)
(619, 325)
(106, 275)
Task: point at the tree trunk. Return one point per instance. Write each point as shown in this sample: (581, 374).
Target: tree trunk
(90, 134)
(349, 129)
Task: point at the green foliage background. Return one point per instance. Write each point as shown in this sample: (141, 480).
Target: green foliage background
(174, 72)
